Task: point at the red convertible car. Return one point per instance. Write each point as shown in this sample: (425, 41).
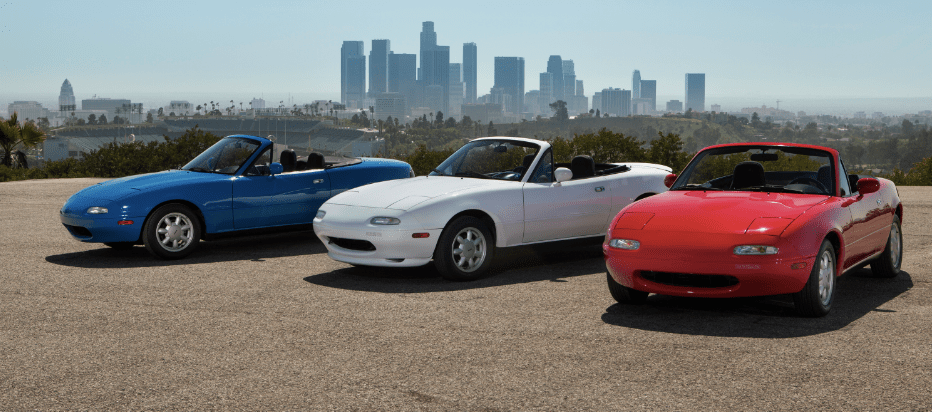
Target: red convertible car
(754, 219)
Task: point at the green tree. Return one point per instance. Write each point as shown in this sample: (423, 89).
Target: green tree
(149, 117)
(450, 122)
(102, 120)
(92, 119)
(12, 134)
(607, 146)
(668, 150)
(492, 131)
(559, 110)
(439, 119)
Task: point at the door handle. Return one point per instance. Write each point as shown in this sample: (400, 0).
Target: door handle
(599, 189)
(316, 181)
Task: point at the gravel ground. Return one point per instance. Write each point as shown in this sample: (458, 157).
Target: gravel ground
(271, 323)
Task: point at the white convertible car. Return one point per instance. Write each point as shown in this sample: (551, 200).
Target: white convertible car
(494, 192)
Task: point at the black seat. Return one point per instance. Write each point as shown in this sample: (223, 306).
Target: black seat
(525, 163)
(315, 161)
(288, 159)
(301, 164)
(824, 177)
(582, 166)
(747, 174)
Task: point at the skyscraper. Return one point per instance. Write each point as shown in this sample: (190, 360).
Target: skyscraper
(470, 75)
(435, 71)
(456, 89)
(649, 91)
(616, 102)
(546, 93)
(428, 42)
(66, 103)
(636, 85)
(379, 68)
(356, 81)
(509, 76)
(555, 67)
(402, 75)
(695, 92)
(351, 49)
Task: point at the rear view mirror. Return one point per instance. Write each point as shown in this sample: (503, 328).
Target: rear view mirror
(764, 157)
(868, 185)
(668, 181)
(501, 149)
(562, 174)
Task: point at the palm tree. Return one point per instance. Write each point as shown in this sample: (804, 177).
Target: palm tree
(12, 135)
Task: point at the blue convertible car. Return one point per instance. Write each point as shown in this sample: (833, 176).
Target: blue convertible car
(232, 186)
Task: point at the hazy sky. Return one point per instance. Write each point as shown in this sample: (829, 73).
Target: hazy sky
(773, 49)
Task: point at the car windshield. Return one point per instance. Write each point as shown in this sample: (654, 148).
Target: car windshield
(760, 168)
(225, 156)
(489, 159)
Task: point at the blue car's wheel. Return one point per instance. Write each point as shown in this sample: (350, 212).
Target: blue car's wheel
(172, 232)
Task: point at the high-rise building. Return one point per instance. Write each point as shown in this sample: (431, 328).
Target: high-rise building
(379, 67)
(509, 76)
(456, 89)
(649, 91)
(402, 76)
(470, 75)
(597, 101)
(636, 85)
(356, 82)
(555, 68)
(546, 93)
(352, 86)
(579, 88)
(616, 102)
(695, 92)
(428, 42)
(532, 101)
(66, 102)
(675, 106)
(28, 110)
(435, 71)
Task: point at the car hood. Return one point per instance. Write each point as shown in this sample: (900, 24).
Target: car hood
(718, 212)
(117, 188)
(402, 194)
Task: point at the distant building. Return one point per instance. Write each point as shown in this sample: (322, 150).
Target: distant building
(483, 113)
(390, 105)
(717, 108)
(641, 106)
(509, 76)
(532, 102)
(257, 103)
(636, 85)
(457, 89)
(402, 76)
(352, 72)
(649, 91)
(435, 71)
(597, 101)
(675, 106)
(179, 108)
(124, 108)
(428, 42)
(616, 102)
(27, 110)
(860, 115)
(581, 103)
(555, 68)
(695, 92)
(66, 102)
(877, 115)
(546, 93)
(379, 67)
(579, 88)
(470, 73)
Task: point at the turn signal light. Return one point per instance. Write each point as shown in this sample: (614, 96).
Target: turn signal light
(798, 265)
(125, 222)
(420, 235)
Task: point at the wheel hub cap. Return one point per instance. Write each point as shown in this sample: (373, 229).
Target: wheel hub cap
(469, 249)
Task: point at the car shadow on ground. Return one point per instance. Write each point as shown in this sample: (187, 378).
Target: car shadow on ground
(858, 293)
(224, 250)
(522, 264)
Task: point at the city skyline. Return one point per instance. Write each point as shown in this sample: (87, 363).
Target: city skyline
(780, 64)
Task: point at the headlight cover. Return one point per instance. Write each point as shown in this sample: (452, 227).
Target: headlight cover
(320, 214)
(756, 250)
(97, 210)
(384, 220)
(626, 244)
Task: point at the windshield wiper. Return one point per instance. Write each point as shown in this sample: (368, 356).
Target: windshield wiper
(200, 169)
(771, 188)
(470, 173)
(693, 186)
(438, 172)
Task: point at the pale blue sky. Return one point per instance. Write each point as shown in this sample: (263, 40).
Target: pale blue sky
(748, 49)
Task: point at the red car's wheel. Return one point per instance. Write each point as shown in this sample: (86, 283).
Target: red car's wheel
(887, 265)
(624, 294)
(815, 300)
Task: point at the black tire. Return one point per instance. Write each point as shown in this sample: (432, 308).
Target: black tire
(120, 245)
(624, 294)
(887, 265)
(172, 231)
(815, 299)
(465, 249)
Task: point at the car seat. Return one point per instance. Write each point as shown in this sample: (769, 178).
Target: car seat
(747, 174)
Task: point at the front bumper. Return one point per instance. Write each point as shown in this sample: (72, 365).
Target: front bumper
(706, 270)
(102, 229)
(350, 238)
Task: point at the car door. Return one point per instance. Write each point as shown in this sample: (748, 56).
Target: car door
(857, 232)
(563, 210)
(297, 196)
(252, 195)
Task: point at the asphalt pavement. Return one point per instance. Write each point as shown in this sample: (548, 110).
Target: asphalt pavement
(271, 323)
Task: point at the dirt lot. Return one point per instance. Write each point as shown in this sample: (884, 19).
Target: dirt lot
(271, 323)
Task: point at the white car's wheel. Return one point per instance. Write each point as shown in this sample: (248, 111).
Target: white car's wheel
(815, 300)
(172, 232)
(465, 249)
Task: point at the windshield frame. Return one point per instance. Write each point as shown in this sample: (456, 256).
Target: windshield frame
(454, 162)
(683, 183)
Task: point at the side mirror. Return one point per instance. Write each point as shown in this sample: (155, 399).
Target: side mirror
(562, 174)
(668, 181)
(868, 185)
(276, 168)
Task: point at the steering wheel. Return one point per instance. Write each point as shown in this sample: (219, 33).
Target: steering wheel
(811, 182)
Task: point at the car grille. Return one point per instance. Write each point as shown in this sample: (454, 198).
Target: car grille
(689, 279)
(78, 231)
(353, 244)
